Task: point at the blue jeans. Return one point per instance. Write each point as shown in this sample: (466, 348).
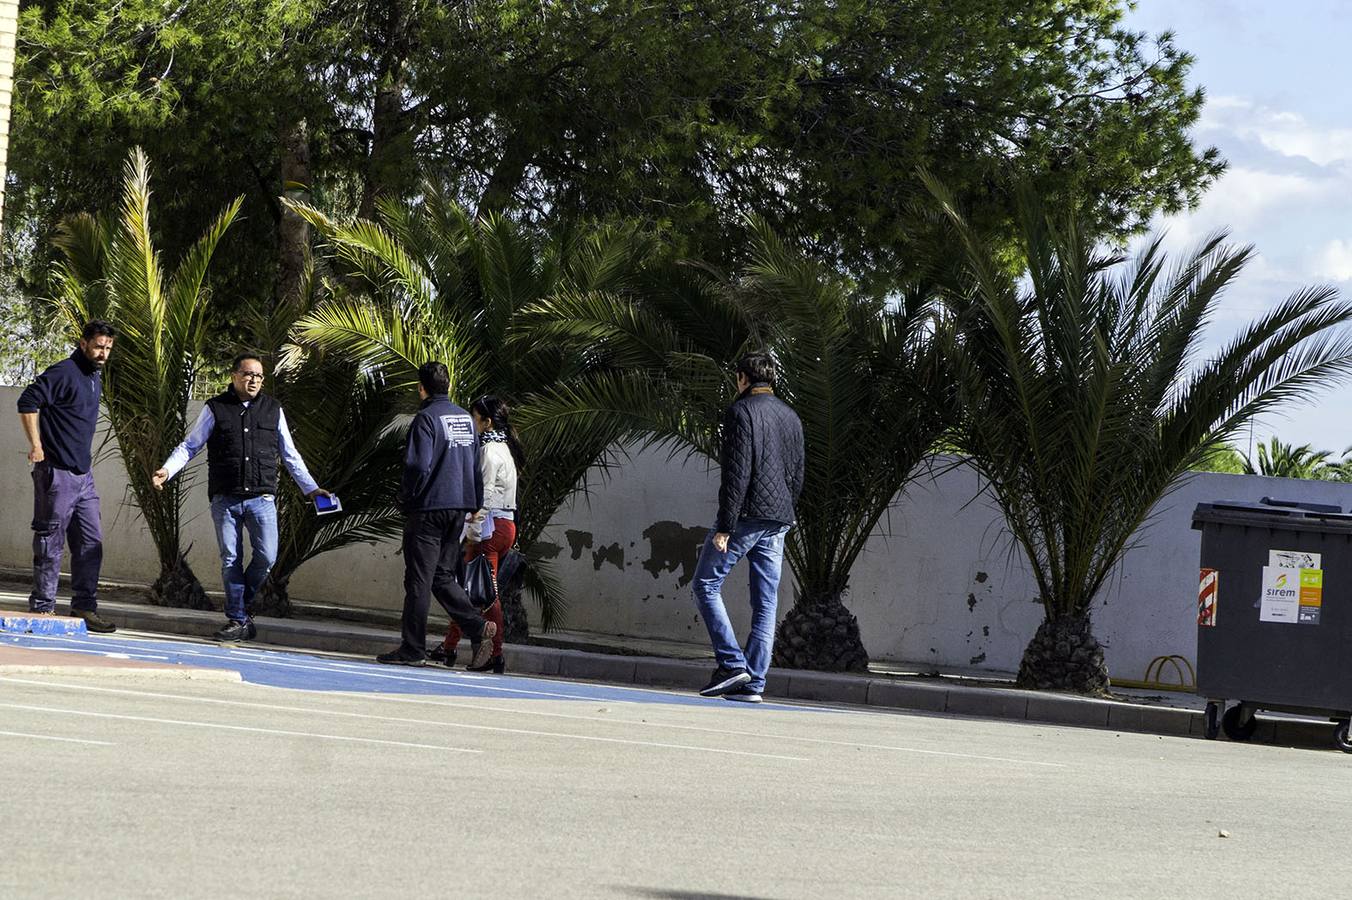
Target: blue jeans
(761, 541)
(232, 515)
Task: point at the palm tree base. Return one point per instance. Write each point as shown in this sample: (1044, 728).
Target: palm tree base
(821, 636)
(273, 598)
(1064, 655)
(515, 625)
(178, 586)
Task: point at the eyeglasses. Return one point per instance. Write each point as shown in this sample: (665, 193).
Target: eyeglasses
(250, 376)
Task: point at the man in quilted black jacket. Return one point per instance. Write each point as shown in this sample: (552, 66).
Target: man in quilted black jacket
(762, 462)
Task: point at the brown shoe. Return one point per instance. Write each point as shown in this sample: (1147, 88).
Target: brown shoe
(483, 649)
(93, 621)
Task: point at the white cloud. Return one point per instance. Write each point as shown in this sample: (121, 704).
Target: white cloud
(1335, 260)
(1282, 131)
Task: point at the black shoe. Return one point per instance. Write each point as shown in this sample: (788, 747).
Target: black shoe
(723, 681)
(497, 665)
(743, 694)
(441, 656)
(235, 631)
(483, 647)
(93, 621)
(400, 658)
(252, 632)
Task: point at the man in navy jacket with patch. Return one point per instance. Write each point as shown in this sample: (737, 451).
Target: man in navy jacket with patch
(59, 412)
(762, 476)
(441, 486)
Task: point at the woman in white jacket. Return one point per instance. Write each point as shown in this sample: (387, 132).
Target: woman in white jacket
(492, 530)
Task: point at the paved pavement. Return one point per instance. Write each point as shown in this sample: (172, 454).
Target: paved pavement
(321, 775)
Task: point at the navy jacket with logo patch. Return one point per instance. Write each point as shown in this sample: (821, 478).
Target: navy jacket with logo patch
(66, 398)
(441, 464)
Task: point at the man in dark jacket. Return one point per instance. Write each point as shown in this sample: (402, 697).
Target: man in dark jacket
(248, 442)
(59, 412)
(762, 475)
(442, 486)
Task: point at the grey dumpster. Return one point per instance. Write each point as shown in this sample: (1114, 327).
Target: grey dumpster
(1274, 614)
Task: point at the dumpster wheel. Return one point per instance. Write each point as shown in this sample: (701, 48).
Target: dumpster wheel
(1212, 720)
(1239, 723)
(1340, 737)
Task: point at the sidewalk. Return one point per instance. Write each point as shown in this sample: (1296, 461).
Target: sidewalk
(1147, 714)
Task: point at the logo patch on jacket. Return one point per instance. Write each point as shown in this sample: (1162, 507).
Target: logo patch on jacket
(459, 430)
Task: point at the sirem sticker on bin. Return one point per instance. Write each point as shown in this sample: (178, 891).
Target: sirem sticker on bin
(1280, 600)
(1206, 597)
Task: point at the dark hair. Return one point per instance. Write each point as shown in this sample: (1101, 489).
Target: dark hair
(240, 360)
(758, 367)
(434, 378)
(98, 328)
(495, 410)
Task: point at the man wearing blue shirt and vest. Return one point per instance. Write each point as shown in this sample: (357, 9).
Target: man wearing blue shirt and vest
(246, 436)
(59, 412)
(442, 486)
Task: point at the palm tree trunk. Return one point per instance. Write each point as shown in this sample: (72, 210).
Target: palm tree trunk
(819, 633)
(178, 586)
(273, 597)
(1064, 655)
(293, 232)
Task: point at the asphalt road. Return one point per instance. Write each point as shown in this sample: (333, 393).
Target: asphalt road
(325, 777)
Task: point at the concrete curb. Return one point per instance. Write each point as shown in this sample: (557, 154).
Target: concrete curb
(881, 692)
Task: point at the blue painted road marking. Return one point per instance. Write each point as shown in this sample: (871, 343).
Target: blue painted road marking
(302, 671)
(28, 623)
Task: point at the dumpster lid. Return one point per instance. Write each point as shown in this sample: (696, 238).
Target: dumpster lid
(1270, 511)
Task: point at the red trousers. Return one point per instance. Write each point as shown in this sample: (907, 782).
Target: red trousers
(497, 545)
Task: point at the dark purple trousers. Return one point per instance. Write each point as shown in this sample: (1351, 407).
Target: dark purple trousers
(65, 508)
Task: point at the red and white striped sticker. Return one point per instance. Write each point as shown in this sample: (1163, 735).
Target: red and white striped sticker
(1206, 597)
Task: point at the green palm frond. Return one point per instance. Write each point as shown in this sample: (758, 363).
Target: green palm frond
(1085, 398)
(111, 269)
(429, 282)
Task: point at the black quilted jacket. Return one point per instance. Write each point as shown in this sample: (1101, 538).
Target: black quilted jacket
(762, 460)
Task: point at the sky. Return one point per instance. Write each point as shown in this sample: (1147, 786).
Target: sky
(1279, 109)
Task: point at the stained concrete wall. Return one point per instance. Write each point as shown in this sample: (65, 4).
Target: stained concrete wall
(938, 586)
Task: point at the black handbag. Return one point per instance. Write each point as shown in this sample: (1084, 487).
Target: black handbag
(479, 583)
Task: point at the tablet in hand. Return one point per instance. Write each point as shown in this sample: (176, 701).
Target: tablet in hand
(326, 505)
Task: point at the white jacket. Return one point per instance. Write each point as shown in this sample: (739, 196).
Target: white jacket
(499, 473)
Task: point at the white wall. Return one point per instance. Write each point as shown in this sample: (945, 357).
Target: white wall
(938, 584)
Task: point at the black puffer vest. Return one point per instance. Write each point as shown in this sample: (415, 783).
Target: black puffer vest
(242, 455)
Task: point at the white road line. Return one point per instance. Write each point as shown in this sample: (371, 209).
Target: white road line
(529, 712)
(129, 654)
(756, 734)
(49, 737)
(326, 737)
(345, 714)
(441, 677)
(474, 682)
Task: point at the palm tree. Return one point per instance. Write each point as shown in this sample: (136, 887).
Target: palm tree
(866, 374)
(429, 282)
(111, 270)
(1281, 460)
(1085, 400)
